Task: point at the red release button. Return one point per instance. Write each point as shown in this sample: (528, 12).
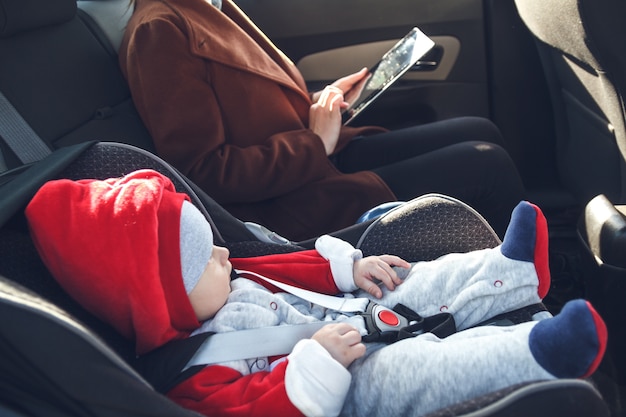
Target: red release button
(388, 318)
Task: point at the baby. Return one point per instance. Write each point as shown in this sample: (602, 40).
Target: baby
(140, 256)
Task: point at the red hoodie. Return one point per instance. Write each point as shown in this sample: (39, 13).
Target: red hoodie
(113, 245)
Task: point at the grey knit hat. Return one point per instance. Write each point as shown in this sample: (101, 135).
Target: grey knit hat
(196, 244)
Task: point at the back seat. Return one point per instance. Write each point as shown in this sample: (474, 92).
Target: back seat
(60, 72)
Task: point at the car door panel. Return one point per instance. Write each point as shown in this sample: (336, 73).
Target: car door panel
(328, 39)
(334, 63)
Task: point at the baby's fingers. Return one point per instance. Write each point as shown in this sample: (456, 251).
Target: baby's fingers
(395, 261)
(342, 341)
(371, 288)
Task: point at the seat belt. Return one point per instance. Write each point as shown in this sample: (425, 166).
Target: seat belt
(280, 340)
(3, 164)
(252, 343)
(341, 304)
(19, 136)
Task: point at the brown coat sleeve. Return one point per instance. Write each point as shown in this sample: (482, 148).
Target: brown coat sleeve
(176, 97)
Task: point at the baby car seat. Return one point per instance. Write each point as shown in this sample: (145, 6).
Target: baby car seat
(56, 359)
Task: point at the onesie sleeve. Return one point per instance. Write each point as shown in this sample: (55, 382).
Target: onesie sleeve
(310, 383)
(315, 382)
(341, 256)
(304, 269)
(223, 391)
(327, 269)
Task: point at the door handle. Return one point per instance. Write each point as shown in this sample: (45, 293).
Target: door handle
(430, 61)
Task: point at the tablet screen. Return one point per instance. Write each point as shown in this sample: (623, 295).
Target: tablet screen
(391, 67)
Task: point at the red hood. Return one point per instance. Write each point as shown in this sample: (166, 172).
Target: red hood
(113, 245)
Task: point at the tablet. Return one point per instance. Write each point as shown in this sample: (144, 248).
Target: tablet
(393, 64)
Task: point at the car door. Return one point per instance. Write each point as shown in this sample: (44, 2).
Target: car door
(328, 39)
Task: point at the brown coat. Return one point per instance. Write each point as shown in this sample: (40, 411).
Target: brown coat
(229, 110)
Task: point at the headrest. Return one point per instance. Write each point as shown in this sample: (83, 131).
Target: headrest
(22, 15)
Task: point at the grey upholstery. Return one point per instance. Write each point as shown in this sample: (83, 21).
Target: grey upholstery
(110, 15)
(61, 74)
(25, 15)
(582, 44)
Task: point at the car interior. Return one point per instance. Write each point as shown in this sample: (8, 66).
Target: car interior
(550, 75)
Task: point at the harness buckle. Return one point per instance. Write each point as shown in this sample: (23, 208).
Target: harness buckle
(390, 325)
(382, 323)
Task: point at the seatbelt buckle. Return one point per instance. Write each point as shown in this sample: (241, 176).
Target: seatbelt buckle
(382, 323)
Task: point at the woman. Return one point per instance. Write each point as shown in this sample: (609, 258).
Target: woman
(229, 110)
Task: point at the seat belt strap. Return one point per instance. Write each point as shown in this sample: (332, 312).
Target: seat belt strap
(274, 340)
(3, 164)
(342, 304)
(19, 136)
(252, 343)
(280, 340)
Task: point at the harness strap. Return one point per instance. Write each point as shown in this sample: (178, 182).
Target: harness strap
(342, 304)
(382, 324)
(405, 323)
(441, 325)
(252, 343)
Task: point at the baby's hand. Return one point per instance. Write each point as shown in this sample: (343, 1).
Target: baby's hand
(342, 341)
(368, 271)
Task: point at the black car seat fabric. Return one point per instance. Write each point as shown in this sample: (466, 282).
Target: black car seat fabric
(565, 397)
(61, 74)
(428, 227)
(54, 366)
(582, 44)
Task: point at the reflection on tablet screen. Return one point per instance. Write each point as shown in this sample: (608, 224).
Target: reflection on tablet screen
(391, 67)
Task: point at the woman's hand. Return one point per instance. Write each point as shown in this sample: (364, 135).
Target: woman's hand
(342, 341)
(325, 113)
(325, 117)
(351, 86)
(373, 269)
